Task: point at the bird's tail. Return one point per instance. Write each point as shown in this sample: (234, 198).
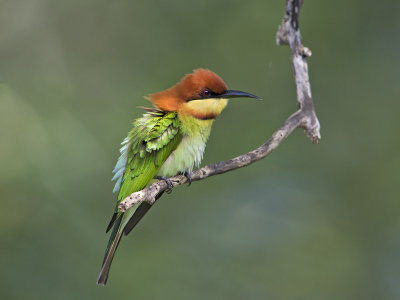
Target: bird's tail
(113, 243)
(122, 224)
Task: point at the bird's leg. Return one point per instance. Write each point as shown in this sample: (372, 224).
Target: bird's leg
(168, 182)
(188, 176)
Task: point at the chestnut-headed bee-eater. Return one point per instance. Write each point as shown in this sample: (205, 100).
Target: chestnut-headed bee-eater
(169, 139)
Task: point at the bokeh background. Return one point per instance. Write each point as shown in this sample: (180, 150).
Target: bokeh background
(308, 222)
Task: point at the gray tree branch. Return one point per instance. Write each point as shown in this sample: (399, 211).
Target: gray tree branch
(288, 34)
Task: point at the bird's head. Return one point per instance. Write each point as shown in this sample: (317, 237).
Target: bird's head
(202, 94)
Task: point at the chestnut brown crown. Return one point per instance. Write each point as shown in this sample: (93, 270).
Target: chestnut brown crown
(189, 88)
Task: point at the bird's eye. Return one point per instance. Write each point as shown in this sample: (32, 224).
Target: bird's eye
(206, 93)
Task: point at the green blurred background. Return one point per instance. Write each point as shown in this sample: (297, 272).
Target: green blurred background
(308, 222)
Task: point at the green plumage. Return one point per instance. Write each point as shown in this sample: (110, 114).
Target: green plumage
(148, 145)
(150, 142)
(160, 143)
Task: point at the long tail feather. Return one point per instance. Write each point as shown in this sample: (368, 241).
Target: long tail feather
(110, 225)
(137, 216)
(113, 243)
(123, 224)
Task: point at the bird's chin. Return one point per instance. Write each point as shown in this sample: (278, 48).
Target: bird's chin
(205, 109)
(212, 106)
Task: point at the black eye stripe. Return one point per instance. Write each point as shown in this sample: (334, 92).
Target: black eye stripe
(205, 94)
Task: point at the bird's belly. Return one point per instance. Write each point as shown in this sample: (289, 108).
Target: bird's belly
(188, 154)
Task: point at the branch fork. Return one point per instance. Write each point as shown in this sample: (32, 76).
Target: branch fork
(305, 118)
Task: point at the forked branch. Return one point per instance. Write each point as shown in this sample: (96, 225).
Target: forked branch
(288, 34)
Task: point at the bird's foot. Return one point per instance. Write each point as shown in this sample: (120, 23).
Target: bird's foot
(188, 176)
(168, 182)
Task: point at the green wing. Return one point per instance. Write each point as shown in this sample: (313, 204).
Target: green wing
(151, 141)
(146, 148)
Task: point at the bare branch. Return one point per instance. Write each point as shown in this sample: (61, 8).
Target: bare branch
(288, 34)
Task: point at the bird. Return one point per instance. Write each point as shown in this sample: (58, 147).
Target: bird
(169, 139)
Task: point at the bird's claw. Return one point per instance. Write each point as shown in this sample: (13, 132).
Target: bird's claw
(188, 176)
(168, 182)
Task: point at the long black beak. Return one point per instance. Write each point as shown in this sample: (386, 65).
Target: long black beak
(237, 94)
